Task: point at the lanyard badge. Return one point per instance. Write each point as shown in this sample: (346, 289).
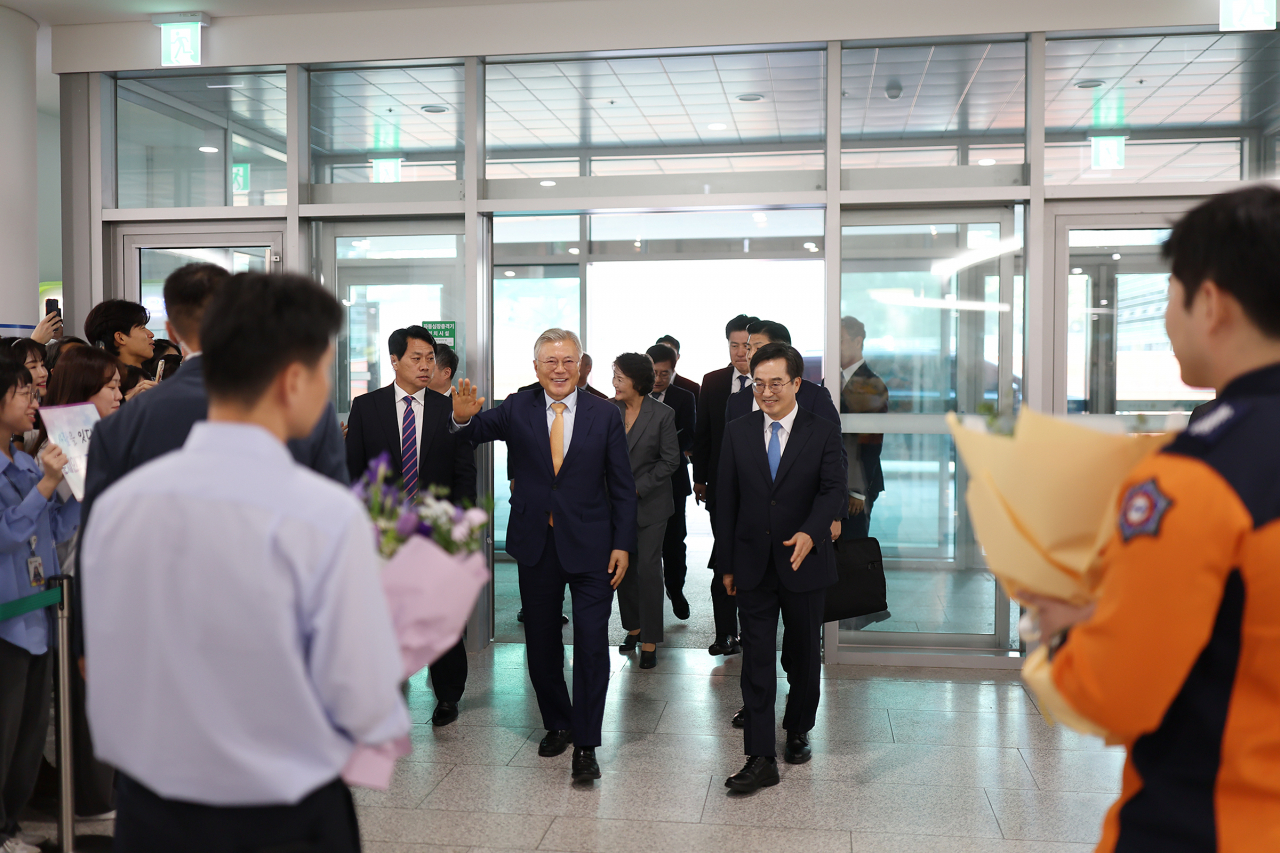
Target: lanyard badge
(35, 566)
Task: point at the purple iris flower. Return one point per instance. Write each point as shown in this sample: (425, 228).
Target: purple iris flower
(407, 524)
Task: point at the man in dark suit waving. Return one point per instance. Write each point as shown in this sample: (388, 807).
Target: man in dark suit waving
(665, 391)
(780, 487)
(410, 422)
(573, 522)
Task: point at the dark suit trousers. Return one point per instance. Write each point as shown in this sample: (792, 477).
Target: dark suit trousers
(674, 564)
(801, 613)
(324, 821)
(724, 609)
(449, 674)
(542, 596)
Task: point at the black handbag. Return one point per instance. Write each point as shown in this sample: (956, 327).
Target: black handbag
(860, 590)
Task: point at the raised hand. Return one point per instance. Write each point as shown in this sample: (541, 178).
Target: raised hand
(466, 404)
(48, 329)
(52, 461)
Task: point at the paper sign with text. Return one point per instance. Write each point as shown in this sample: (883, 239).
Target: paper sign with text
(70, 427)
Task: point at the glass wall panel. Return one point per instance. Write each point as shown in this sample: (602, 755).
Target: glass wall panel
(674, 115)
(387, 125)
(1159, 108)
(1119, 359)
(155, 265)
(930, 107)
(208, 141)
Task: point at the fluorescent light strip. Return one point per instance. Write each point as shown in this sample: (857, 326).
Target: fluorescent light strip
(951, 266)
(907, 299)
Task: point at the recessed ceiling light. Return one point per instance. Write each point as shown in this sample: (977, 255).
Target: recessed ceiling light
(547, 183)
(814, 249)
(637, 244)
(208, 149)
(986, 161)
(760, 216)
(510, 273)
(716, 125)
(811, 245)
(750, 98)
(1076, 271)
(1116, 256)
(224, 85)
(575, 250)
(1089, 84)
(435, 108)
(1104, 302)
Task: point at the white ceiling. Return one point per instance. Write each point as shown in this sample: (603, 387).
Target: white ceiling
(67, 12)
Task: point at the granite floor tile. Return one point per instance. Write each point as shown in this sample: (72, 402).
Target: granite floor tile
(457, 744)
(927, 696)
(915, 764)
(410, 784)
(874, 842)
(1050, 815)
(531, 790)
(641, 754)
(580, 835)
(818, 804)
(398, 847)
(972, 729)
(667, 686)
(452, 829)
(1073, 770)
(949, 675)
(707, 718)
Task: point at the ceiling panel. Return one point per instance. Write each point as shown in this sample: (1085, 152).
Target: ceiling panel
(381, 109)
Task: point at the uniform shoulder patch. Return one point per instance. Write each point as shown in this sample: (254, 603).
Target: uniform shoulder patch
(1211, 426)
(1143, 510)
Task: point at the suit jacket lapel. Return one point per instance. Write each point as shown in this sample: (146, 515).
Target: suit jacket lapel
(757, 449)
(386, 408)
(642, 423)
(427, 432)
(801, 429)
(537, 415)
(582, 419)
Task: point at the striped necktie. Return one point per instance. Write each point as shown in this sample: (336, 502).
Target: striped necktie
(409, 450)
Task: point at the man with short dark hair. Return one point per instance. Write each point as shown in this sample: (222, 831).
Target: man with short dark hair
(1178, 657)
(714, 396)
(239, 593)
(120, 327)
(676, 379)
(674, 562)
(780, 487)
(410, 423)
(446, 370)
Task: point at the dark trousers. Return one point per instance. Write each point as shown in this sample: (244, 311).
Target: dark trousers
(542, 596)
(640, 593)
(801, 612)
(323, 822)
(449, 674)
(26, 682)
(858, 526)
(674, 564)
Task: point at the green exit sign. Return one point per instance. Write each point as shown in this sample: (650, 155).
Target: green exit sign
(240, 177)
(180, 43)
(1236, 15)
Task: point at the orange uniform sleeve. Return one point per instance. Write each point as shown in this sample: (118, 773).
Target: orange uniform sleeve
(1179, 532)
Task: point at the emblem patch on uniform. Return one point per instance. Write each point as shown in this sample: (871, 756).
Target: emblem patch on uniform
(1143, 510)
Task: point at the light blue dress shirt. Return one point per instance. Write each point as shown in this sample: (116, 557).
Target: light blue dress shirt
(238, 642)
(28, 513)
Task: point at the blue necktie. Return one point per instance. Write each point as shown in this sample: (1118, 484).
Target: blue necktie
(409, 450)
(775, 449)
(742, 383)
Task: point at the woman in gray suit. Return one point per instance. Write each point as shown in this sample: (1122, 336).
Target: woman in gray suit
(655, 454)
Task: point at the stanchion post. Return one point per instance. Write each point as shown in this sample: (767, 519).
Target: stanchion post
(66, 792)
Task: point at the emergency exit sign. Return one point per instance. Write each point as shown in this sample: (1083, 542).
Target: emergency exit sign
(180, 37)
(1237, 15)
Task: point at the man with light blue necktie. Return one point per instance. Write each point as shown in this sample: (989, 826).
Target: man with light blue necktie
(780, 485)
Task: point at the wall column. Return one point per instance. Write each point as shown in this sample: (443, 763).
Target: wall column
(20, 276)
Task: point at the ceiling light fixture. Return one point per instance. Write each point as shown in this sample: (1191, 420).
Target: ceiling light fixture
(637, 244)
(435, 108)
(750, 98)
(1076, 271)
(510, 273)
(1089, 84)
(893, 90)
(575, 250)
(224, 86)
(547, 183)
(717, 125)
(986, 161)
(760, 216)
(1116, 256)
(811, 245)
(208, 149)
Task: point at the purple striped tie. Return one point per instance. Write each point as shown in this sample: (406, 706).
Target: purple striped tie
(409, 450)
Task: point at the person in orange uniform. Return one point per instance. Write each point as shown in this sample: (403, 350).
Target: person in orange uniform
(1179, 656)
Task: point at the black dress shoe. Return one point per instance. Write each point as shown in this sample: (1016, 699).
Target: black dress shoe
(520, 615)
(648, 660)
(760, 772)
(726, 645)
(564, 620)
(445, 713)
(555, 742)
(798, 751)
(585, 767)
(740, 718)
(680, 605)
(629, 643)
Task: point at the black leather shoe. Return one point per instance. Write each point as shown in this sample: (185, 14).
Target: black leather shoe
(629, 643)
(759, 772)
(740, 718)
(445, 713)
(520, 615)
(564, 620)
(726, 645)
(648, 660)
(555, 742)
(585, 767)
(680, 605)
(798, 751)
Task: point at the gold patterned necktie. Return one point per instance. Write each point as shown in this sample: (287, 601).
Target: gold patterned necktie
(557, 444)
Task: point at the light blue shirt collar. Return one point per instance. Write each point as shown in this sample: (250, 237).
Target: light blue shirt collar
(238, 439)
(571, 401)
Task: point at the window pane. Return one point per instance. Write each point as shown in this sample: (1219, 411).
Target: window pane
(201, 141)
(387, 125)
(1144, 162)
(157, 264)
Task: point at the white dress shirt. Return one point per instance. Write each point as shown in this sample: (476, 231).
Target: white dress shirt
(787, 422)
(572, 402)
(414, 400)
(660, 396)
(847, 373)
(239, 643)
(734, 383)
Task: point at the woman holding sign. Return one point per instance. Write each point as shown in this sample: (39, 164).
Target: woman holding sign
(33, 518)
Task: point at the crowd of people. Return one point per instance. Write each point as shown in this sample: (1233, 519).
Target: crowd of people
(235, 644)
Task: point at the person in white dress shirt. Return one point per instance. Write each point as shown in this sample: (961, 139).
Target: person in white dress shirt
(238, 644)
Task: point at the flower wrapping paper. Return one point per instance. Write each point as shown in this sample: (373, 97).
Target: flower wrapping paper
(430, 594)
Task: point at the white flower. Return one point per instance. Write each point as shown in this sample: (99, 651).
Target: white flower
(476, 517)
(461, 532)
